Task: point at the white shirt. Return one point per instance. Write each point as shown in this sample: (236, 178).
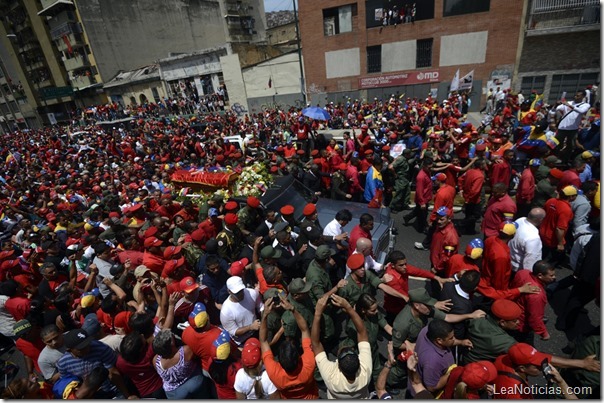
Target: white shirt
(47, 361)
(572, 120)
(235, 315)
(333, 228)
(245, 384)
(525, 247)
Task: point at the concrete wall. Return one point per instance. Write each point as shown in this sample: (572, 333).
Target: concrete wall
(342, 63)
(233, 80)
(285, 74)
(125, 35)
(277, 101)
(281, 34)
(397, 56)
(462, 49)
(573, 51)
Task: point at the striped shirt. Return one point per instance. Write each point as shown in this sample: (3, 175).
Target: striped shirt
(99, 354)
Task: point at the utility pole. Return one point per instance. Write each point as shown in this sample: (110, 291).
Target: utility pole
(302, 86)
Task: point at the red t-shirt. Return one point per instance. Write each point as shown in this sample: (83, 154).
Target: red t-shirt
(18, 307)
(227, 390)
(558, 214)
(400, 282)
(201, 343)
(31, 350)
(142, 374)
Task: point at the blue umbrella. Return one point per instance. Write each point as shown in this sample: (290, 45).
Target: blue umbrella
(316, 113)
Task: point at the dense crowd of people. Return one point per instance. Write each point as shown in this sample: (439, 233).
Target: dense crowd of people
(111, 288)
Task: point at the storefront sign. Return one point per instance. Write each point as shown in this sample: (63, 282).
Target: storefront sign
(392, 80)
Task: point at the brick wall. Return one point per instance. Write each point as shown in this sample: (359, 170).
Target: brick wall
(502, 22)
(574, 51)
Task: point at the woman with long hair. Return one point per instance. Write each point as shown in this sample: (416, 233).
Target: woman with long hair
(224, 367)
(252, 381)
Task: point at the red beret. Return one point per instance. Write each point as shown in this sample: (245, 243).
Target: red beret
(230, 219)
(114, 214)
(253, 202)
(368, 152)
(287, 209)
(300, 152)
(386, 148)
(506, 309)
(394, 136)
(274, 169)
(355, 261)
(231, 206)
(171, 251)
(314, 152)
(309, 209)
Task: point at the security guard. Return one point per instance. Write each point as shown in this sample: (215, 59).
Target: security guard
(248, 217)
(230, 239)
(339, 188)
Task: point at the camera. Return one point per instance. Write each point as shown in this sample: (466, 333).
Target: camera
(547, 371)
(276, 300)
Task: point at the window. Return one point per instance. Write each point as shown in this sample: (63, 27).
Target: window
(536, 83)
(338, 20)
(460, 7)
(374, 59)
(423, 57)
(379, 13)
(569, 84)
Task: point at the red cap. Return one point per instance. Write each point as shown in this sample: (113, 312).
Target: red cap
(150, 232)
(506, 309)
(386, 148)
(481, 147)
(136, 207)
(355, 261)
(300, 152)
(556, 173)
(343, 166)
(171, 265)
(309, 209)
(198, 235)
(231, 206)
(171, 251)
(238, 266)
(251, 354)
(188, 285)
(253, 202)
(287, 209)
(478, 374)
(274, 169)
(441, 177)
(314, 153)
(153, 241)
(231, 219)
(525, 354)
(393, 136)
(114, 214)
(368, 152)
(121, 320)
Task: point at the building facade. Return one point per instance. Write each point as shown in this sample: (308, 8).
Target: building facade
(561, 48)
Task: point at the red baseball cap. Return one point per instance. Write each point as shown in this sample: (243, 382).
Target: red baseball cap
(153, 241)
(188, 285)
(478, 374)
(251, 354)
(238, 266)
(171, 251)
(525, 354)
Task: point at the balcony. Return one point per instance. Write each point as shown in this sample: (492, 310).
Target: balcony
(52, 7)
(34, 65)
(563, 16)
(73, 39)
(82, 82)
(75, 63)
(65, 29)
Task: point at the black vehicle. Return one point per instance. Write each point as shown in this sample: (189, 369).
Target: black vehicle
(287, 190)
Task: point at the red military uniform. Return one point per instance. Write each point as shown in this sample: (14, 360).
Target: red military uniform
(494, 216)
(533, 305)
(445, 242)
(496, 265)
(400, 282)
(444, 197)
(526, 187)
(558, 214)
(471, 184)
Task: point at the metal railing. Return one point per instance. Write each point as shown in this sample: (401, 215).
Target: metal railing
(544, 6)
(560, 14)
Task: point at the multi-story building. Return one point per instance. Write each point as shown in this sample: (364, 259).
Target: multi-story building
(367, 49)
(561, 49)
(126, 35)
(15, 110)
(40, 69)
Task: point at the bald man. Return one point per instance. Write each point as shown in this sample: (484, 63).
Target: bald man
(365, 248)
(525, 247)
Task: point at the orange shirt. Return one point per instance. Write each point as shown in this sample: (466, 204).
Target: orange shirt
(300, 384)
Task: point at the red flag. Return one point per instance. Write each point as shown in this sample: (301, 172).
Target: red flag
(68, 43)
(270, 82)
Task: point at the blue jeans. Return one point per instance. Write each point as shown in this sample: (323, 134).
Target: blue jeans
(195, 387)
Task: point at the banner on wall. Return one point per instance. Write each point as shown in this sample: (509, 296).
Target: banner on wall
(393, 80)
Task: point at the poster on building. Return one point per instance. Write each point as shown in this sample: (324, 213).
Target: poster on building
(51, 118)
(379, 13)
(465, 83)
(393, 80)
(503, 82)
